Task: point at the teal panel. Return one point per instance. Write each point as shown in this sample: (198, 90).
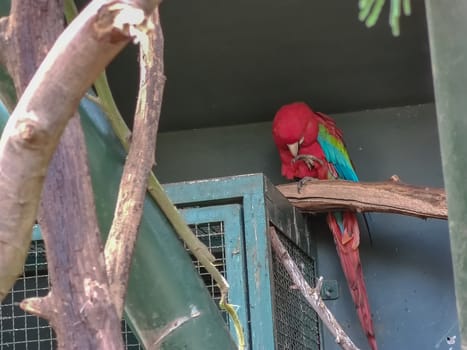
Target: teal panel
(36, 233)
(259, 272)
(248, 190)
(225, 188)
(3, 116)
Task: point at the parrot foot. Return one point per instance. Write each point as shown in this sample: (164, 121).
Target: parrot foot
(303, 181)
(309, 160)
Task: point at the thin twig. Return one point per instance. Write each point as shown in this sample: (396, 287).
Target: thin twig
(312, 295)
(389, 196)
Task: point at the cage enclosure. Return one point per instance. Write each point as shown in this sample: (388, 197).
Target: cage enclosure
(231, 216)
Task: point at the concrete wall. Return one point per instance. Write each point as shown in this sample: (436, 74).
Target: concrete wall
(408, 267)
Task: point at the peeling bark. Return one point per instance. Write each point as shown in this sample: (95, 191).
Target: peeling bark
(129, 209)
(79, 305)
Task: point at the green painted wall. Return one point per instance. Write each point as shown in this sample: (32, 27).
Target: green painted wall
(408, 268)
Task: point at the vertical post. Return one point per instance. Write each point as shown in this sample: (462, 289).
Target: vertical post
(447, 26)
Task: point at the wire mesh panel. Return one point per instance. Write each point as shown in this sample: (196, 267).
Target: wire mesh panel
(22, 331)
(18, 329)
(212, 235)
(273, 315)
(231, 217)
(220, 228)
(129, 339)
(296, 323)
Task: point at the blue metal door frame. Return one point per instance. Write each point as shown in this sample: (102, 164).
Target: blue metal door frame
(235, 269)
(247, 190)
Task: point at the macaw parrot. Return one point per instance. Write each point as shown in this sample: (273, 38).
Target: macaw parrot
(311, 146)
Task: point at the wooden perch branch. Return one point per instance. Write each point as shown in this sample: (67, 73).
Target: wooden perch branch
(312, 295)
(390, 196)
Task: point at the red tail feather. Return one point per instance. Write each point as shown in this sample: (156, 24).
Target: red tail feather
(347, 249)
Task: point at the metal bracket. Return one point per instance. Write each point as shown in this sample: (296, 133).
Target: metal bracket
(330, 290)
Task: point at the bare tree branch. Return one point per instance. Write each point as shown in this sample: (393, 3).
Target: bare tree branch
(312, 295)
(21, 181)
(129, 209)
(79, 304)
(25, 48)
(389, 196)
(31, 136)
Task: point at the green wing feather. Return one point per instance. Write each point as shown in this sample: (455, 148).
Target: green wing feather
(334, 149)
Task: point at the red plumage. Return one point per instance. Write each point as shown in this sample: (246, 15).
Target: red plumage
(294, 123)
(296, 129)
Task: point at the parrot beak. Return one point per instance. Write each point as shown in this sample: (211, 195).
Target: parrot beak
(293, 148)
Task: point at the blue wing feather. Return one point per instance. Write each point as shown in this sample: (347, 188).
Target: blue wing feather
(336, 153)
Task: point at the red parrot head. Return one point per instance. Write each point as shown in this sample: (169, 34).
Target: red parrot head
(294, 128)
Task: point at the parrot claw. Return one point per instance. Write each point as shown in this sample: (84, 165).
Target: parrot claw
(309, 160)
(303, 181)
